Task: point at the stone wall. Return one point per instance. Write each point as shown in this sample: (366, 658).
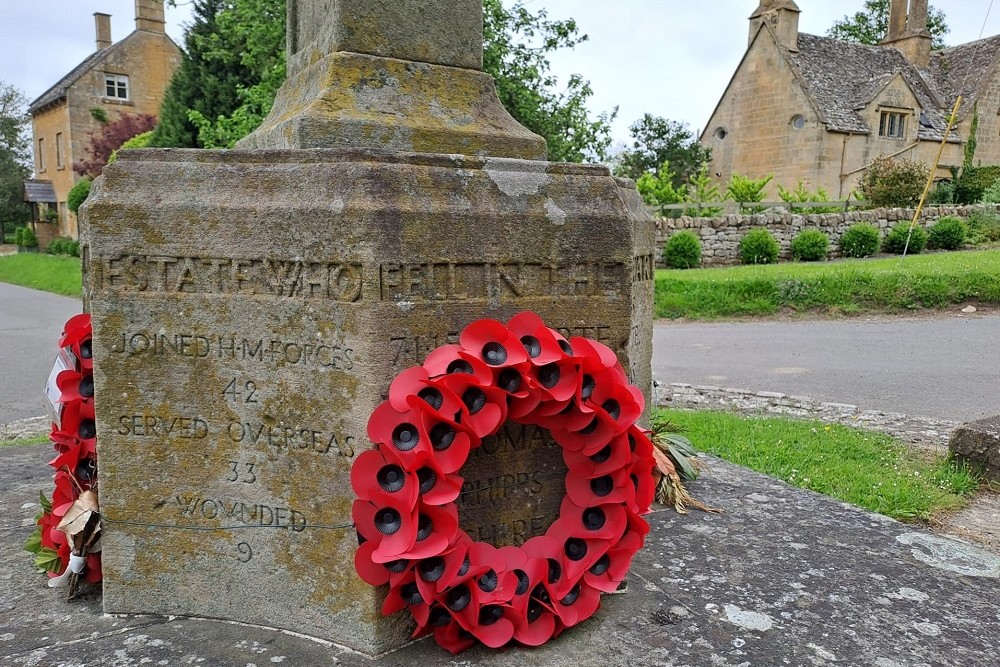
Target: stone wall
(720, 236)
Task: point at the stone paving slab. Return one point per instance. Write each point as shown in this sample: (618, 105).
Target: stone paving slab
(782, 577)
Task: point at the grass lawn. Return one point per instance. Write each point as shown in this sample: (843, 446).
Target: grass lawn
(849, 286)
(859, 467)
(50, 273)
(36, 440)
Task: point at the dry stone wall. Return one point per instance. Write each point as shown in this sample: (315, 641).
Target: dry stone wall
(720, 236)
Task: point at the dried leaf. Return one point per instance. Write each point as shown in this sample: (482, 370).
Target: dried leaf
(78, 515)
(663, 462)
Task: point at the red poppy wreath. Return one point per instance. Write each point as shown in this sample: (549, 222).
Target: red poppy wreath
(406, 516)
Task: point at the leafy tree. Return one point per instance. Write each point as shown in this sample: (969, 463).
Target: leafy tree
(516, 44)
(893, 184)
(743, 190)
(78, 194)
(110, 137)
(211, 73)
(656, 140)
(871, 25)
(15, 153)
(659, 189)
(702, 192)
(234, 63)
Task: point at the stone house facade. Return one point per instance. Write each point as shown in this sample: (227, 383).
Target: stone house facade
(821, 110)
(129, 76)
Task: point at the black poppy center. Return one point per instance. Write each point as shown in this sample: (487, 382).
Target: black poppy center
(587, 388)
(531, 346)
(576, 548)
(613, 408)
(571, 597)
(411, 594)
(459, 598)
(474, 399)
(460, 366)
(87, 349)
(522, 582)
(388, 521)
(602, 486)
(601, 566)
(87, 386)
(87, 429)
(593, 518)
(405, 437)
(566, 347)
(548, 375)
(397, 566)
(442, 436)
(424, 527)
(488, 582)
(432, 397)
(555, 570)
(490, 614)
(431, 569)
(428, 478)
(391, 478)
(603, 455)
(494, 354)
(439, 617)
(509, 380)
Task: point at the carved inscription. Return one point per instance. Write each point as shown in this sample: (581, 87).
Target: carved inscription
(249, 514)
(334, 281)
(261, 350)
(514, 485)
(454, 281)
(645, 268)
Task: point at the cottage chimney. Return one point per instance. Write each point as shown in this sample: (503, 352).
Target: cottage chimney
(102, 24)
(783, 18)
(908, 31)
(149, 16)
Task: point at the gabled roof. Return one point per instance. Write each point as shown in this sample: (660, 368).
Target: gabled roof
(964, 70)
(39, 192)
(58, 91)
(842, 78)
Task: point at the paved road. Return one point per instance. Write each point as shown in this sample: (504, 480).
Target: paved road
(30, 324)
(946, 367)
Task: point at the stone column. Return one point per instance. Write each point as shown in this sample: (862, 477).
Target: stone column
(251, 307)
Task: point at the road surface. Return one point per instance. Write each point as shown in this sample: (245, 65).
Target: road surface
(30, 325)
(945, 366)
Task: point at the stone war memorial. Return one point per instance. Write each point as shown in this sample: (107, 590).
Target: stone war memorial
(252, 307)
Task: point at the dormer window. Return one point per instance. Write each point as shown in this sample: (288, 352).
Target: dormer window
(892, 124)
(116, 86)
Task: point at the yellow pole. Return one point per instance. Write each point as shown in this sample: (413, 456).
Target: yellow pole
(930, 176)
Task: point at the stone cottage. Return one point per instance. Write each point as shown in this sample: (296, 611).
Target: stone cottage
(129, 76)
(814, 108)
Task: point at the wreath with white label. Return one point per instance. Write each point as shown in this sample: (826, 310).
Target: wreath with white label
(406, 516)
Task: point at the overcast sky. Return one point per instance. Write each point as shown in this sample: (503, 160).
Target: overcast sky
(671, 58)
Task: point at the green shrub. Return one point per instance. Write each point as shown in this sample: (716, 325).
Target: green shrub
(948, 233)
(973, 182)
(810, 245)
(893, 183)
(759, 247)
(78, 194)
(682, 251)
(64, 245)
(991, 195)
(895, 241)
(744, 190)
(138, 141)
(860, 240)
(802, 194)
(984, 226)
(943, 193)
(26, 238)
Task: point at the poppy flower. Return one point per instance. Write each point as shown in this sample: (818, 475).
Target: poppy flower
(75, 386)
(378, 474)
(391, 526)
(449, 359)
(596, 355)
(538, 340)
(603, 522)
(440, 571)
(453, 637)
(577, 604)
(613, 487)
(482, 408)
(493, 343)
(77, 337)
(436, 529)
(641, 477)
(615, 455)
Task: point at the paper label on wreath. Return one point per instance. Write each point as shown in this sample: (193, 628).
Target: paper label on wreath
(65, 361)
